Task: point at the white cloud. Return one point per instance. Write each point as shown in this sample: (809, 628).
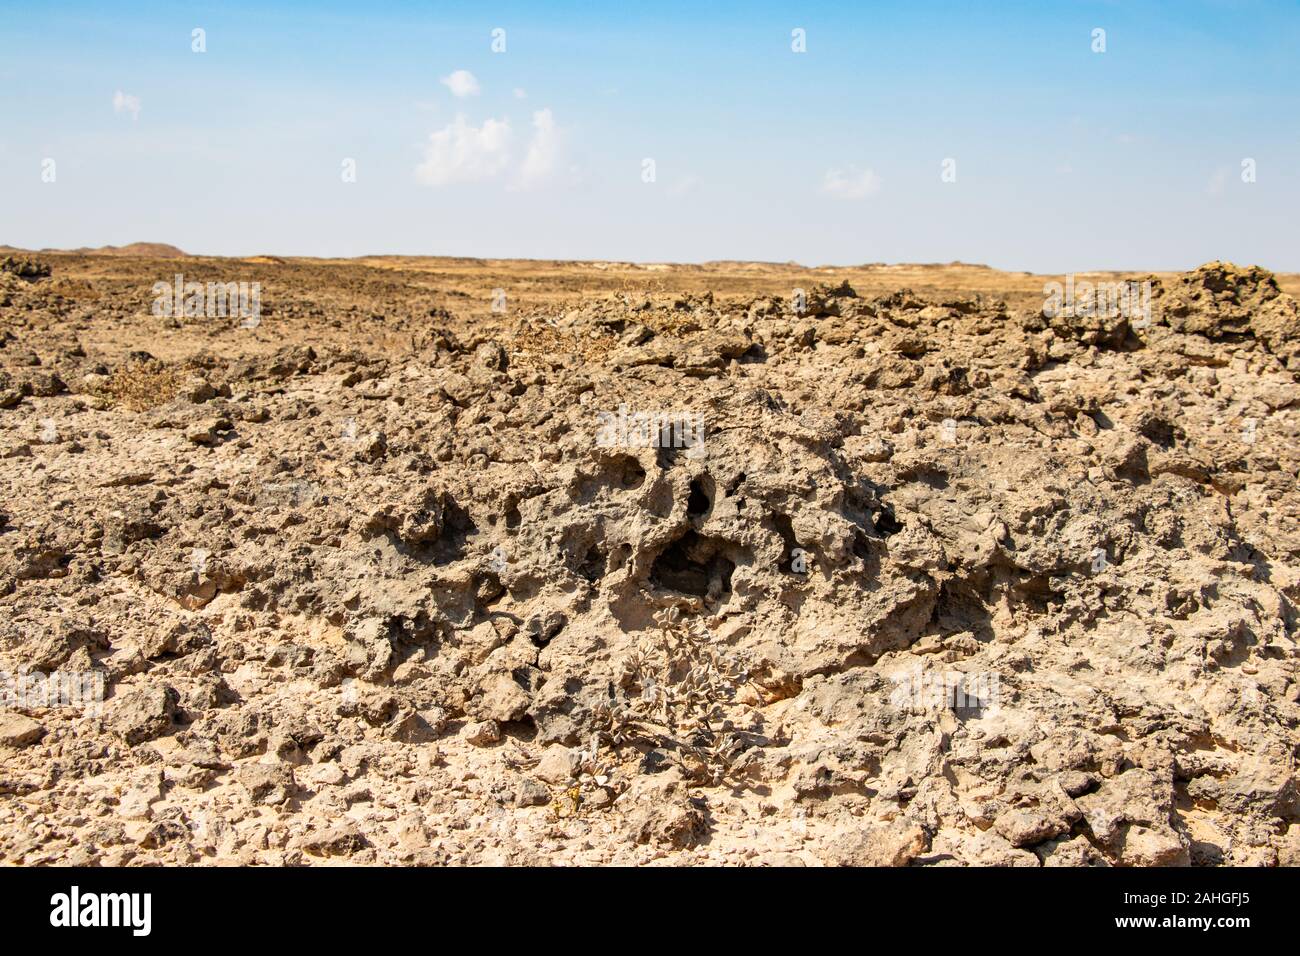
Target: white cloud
(460, 153)
(1218, 182)
(126, 103)
(850, 183)
(684, 185)
(543, 150)
(461, 83)
(521, 93)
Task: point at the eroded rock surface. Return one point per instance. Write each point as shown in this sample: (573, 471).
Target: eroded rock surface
(946, 582)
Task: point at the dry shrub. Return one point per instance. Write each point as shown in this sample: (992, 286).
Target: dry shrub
(143, 384)
(543, 344)
(678, 692)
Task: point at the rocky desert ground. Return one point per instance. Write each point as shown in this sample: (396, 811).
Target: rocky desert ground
(404, 570)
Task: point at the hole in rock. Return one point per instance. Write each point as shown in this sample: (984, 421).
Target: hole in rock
(885, 523)
(457, 526)
(631, 475)
(785, 528)
(620, 557)
(695, 565)
(698, 501)
(592, 565)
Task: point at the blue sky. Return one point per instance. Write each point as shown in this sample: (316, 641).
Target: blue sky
(1066, 159)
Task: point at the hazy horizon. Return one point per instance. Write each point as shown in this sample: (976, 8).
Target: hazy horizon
(89, 249)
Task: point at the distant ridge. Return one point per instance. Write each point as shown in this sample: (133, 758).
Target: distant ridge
(143, 250)
(148, 250)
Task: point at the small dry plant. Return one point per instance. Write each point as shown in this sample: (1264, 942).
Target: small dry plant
(678, 693)
(142, 384)
(543, 343)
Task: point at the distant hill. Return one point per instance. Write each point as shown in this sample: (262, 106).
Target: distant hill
(143, 250)
(147, 250)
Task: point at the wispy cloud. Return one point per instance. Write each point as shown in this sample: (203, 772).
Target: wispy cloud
(460, 153)
(543, 151)
(1218, 182)
(684, 185)
(850, 183)
(126, 103)
(462, 83)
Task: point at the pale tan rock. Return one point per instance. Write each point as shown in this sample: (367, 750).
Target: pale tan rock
(897, 843)
(19, 730)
